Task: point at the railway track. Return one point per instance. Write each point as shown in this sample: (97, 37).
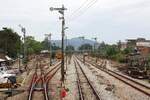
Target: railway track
(134, 84)
(40, 78)
(84, 85)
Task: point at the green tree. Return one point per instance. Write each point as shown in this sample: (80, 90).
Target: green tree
(33, 46)
(54, 47)
(102, 50)
(85, 47)
(45, 44)
(69, 49)
(111, 50)
(108, 51)
(10, 42)
(127, 50)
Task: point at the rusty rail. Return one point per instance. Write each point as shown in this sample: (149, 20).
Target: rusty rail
(136, 85)
(44, 78)
(90, 84)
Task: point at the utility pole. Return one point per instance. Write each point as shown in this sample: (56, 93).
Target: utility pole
(95, 48)
(25, 48)
(66, 52)
(83, 48)
(82, 38)
(50, 48)
(61, 11)
(19, 53)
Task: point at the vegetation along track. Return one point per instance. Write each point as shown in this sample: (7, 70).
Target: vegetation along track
(82, 79)
(44, 78)
(136, 85)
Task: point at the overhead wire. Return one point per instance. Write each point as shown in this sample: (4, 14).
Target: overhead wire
(81, 12)
(86, 9)
(81, 6)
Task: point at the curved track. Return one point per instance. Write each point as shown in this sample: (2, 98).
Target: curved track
(41, 79)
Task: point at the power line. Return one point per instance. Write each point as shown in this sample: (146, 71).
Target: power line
(89, 5)
(82, 5)
(85, 9)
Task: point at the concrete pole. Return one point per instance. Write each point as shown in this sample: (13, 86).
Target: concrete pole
(61, 11)
(62, 48)
(50, 50)
(94, 47)
(48, 36)
(66, 53)
(25, 45)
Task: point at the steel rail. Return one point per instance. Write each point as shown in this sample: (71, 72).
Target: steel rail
(81, 97)
(44, 79)
(90, 84)
(136, 85)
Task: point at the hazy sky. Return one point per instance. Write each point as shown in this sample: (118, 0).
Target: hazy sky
(109, 20)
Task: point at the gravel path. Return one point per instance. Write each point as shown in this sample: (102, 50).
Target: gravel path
(71, 82)
(54, 87)
(99, 82)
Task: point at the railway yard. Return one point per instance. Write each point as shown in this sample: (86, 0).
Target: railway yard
(74, 50)
(83, 81)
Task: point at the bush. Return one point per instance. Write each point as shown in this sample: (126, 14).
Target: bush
(118, 57)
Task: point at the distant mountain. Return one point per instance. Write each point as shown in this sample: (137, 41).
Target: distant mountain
(76, 42)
